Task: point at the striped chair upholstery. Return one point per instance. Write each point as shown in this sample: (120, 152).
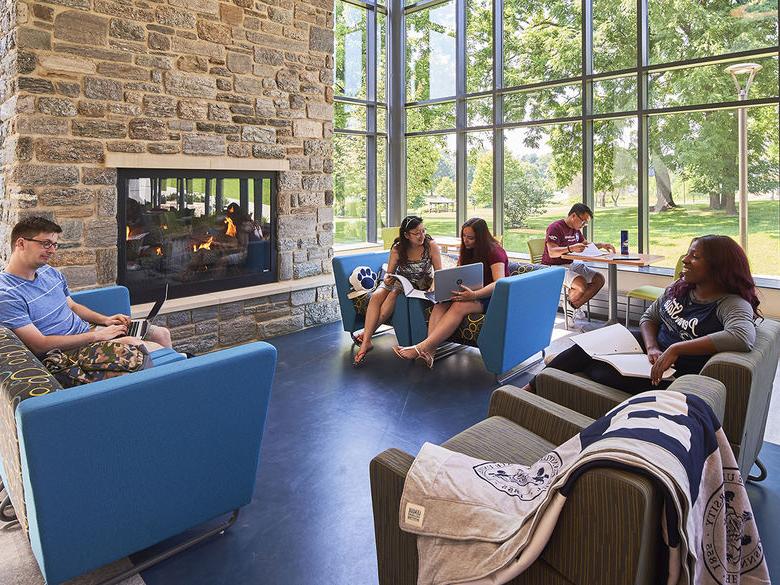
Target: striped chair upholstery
(609, 530)
(748, 377)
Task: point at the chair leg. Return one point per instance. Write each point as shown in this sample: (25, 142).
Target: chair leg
(588, 311)
(381, 330)
(628, 309)
(7, 512)
(762, 472)
(566, 308)
(174, 550)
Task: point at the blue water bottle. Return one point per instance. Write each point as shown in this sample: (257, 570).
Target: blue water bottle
(624, 242)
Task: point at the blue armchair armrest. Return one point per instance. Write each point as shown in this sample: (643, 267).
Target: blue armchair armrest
(109, 300)
(113, 467)
(520, 318)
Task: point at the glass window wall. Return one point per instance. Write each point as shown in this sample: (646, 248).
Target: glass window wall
(533, 107)
(359, 122)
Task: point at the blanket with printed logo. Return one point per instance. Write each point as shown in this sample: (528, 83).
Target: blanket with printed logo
(481, 522)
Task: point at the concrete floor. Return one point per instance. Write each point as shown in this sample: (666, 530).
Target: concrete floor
(310, 522)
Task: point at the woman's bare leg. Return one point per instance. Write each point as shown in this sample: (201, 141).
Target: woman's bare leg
(158, 334)
(436, 314)
(374, 316)
(388, 306)
(446, 325)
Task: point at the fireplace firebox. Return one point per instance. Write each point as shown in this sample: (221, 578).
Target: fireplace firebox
(196, 231)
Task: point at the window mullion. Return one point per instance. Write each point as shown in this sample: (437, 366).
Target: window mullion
(371, 69)
(643, 162)
(396, 89)
(460, 112)
(587, 109)
(498, 117)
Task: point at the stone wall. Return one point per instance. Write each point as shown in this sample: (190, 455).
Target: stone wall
(209, 328)
(238, 80)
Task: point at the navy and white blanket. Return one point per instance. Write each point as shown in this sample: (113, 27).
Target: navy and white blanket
(481, 522)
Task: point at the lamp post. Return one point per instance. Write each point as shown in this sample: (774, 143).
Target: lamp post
(741, 69)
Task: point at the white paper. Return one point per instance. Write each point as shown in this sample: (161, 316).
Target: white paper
(592, 251)
(616, 345)
(409, 289)
(608, 340)
(634, 364)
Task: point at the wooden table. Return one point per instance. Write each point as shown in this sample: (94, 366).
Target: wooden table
(612, 261)
(447, 244)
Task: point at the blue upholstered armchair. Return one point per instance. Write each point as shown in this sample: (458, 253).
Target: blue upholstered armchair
(353, 310)
(107, 469)
(518, 323)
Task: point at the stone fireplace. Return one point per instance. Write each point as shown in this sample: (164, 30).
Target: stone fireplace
(96, 89)
(195, 231)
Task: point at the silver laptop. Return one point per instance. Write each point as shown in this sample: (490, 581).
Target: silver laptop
(139, 327)
(447, 280)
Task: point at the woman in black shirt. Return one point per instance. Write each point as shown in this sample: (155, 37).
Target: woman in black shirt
(711, 308)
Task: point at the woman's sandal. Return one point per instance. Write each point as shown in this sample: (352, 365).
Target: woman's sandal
(360, 359)
(421, 355)
(426, 357)
(397, 349)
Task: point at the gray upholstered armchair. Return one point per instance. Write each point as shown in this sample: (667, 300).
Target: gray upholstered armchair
(748, 378)
(609, 530)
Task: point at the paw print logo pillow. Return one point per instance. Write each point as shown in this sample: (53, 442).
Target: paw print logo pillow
(363, 280)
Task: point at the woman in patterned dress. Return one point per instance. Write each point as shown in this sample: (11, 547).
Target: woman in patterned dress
(414, 255)
(477, 245)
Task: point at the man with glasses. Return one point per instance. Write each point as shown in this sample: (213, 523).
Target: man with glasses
(565, 236)
(35, 302)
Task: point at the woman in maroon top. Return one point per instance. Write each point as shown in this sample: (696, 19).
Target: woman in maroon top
(477, 245)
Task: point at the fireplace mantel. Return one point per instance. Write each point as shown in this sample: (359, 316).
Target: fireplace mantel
(125, 160)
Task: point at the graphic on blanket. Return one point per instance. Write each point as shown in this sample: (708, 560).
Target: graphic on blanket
(361, 303)
(683, 435)
(480, 516)
(518, 480)
(726, 517)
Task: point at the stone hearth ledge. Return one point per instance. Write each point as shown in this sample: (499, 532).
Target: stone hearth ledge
(125, 160)
(230, 296)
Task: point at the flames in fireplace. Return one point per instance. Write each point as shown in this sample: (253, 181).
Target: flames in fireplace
(200, 232)
(204, 246)
(231, 228)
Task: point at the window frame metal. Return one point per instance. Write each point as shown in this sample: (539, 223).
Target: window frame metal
(644, 68)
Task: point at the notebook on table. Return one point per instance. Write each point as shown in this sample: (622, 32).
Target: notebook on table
(139, 327)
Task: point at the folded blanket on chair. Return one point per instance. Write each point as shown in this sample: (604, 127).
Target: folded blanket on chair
(481, 522)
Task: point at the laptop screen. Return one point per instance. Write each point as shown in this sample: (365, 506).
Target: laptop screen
(158, 305)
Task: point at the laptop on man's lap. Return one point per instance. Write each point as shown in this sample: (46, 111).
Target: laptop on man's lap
(140, 327)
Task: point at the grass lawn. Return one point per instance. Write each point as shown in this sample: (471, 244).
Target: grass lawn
(670, 231)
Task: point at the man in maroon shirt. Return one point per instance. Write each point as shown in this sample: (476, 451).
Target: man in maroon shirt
(565, 236)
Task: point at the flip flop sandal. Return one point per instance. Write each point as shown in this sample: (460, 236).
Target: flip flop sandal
(360, 359)
(397, 349)
(421, 355)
